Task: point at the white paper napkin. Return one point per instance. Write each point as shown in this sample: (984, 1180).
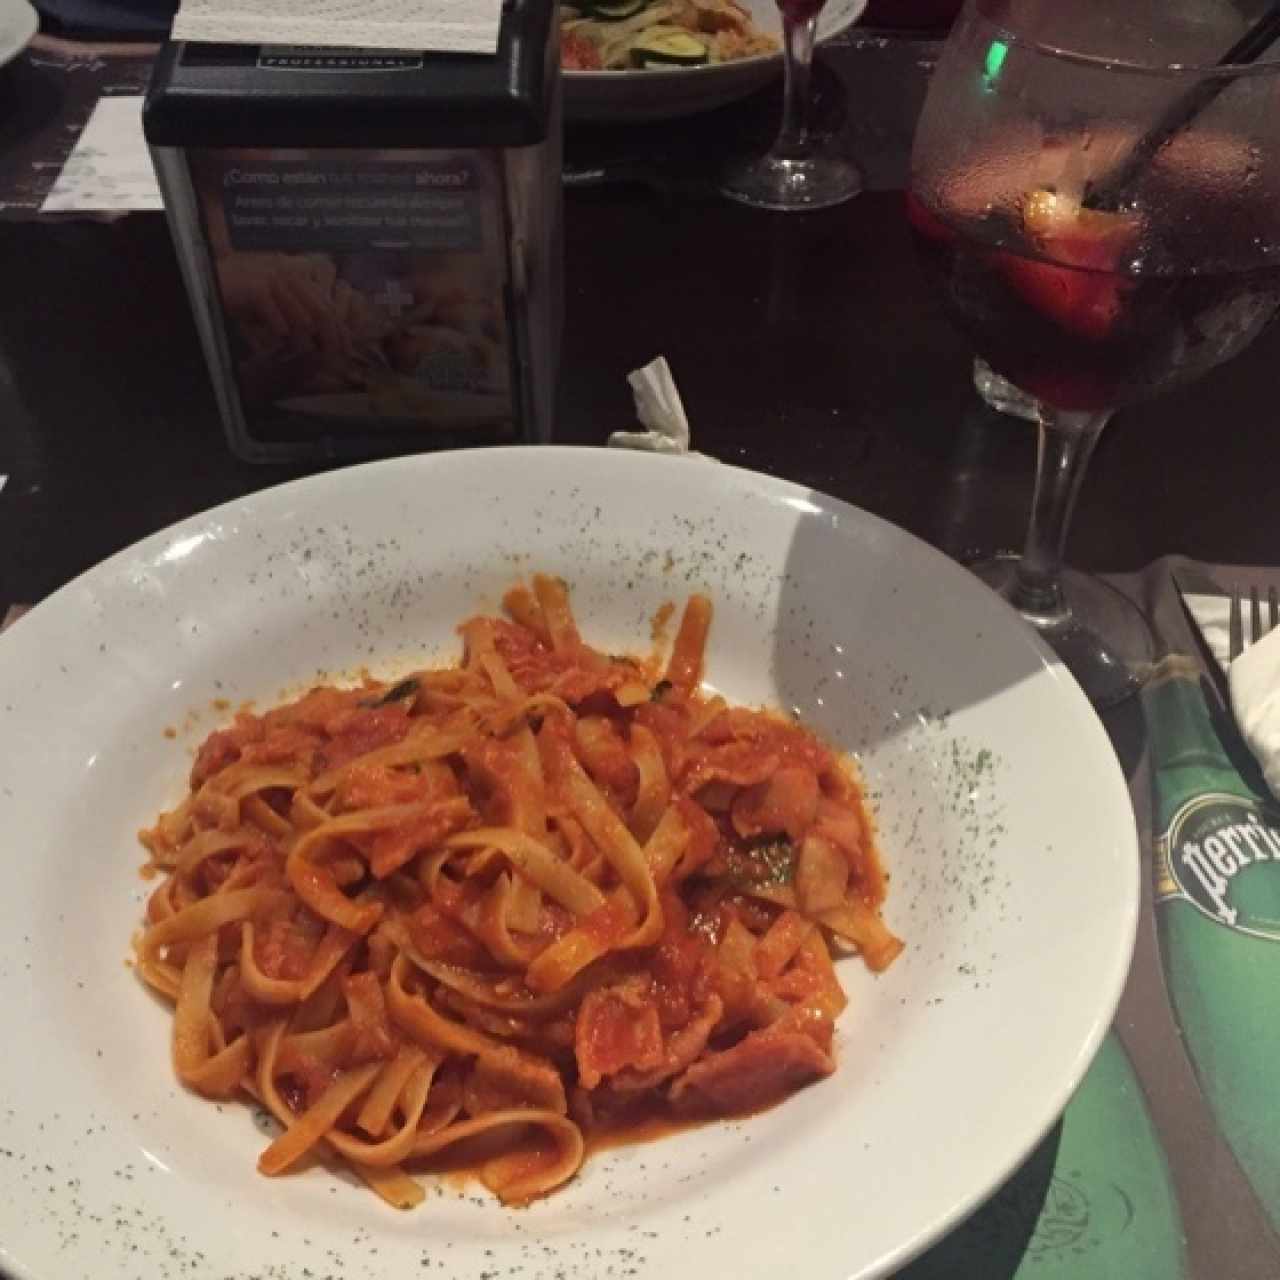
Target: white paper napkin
(440, 26)
(1253, 678)
(109, 171)
(660, 410)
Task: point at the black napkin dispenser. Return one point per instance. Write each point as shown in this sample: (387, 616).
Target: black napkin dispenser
(371, 240)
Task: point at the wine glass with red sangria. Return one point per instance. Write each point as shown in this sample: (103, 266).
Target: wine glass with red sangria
(1095, 189)
(800, 171)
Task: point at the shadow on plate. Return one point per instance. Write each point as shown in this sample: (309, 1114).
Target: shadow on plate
(945, 646)
(993, 1242)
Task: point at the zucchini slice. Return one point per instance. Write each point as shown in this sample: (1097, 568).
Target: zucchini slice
(616, 10)
(668, 48)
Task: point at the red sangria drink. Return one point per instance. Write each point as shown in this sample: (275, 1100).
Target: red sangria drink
(1088, 309)
(1095, 193)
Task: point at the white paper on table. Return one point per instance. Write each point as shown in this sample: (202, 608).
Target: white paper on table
(660, 411)
(1212, 616)
(1253, 680)
(110, 168)
(442, 26)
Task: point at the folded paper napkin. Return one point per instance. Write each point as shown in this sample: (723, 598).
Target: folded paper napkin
(110, 170)
(1253, 678)
(443, 26)
(660, 410)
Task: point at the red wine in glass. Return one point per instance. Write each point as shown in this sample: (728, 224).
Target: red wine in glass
(1092, 310)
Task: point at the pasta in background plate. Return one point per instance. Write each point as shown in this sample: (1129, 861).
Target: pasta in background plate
(620, 35)
(492, 911)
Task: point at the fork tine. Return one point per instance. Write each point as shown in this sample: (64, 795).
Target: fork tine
(1255, 616)
(1273, 607)
(1235, 626)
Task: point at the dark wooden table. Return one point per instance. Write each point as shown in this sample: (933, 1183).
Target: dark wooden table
(807, 346)
(804, 345)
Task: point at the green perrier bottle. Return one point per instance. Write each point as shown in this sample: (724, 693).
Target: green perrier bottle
(1217, 890)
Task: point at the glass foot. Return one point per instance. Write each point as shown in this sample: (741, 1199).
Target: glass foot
(787, 185)
(1109, 669)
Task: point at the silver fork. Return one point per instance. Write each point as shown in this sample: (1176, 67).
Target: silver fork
(1235, 619)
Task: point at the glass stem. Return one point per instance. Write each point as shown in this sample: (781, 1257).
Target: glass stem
(1067, 438)
(798, 35)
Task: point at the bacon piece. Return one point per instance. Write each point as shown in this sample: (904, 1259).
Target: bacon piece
(787, 802)
(746, 1001)
(358, 730)
(580, 683)
(307, 1079)
(316, 709)
(284, 948)
(617, 1027)
(505, 1078)
(389, 850)
(792, 743)
(501, 786)
(763, 1067)
(374, 786)
(371, 1030)
(669, 723)
(683, 1048)
(604, 754)
(532, 664)
(842, 825)
(822, 874)
(704, 838)
(742, 763)
(283, 745)
(682, 966)
(223, 747)
(437, 937)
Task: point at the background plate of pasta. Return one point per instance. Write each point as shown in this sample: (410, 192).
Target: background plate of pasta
(658, 59)
(542, 862)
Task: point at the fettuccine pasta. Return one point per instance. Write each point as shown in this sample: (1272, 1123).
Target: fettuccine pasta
(490, 911)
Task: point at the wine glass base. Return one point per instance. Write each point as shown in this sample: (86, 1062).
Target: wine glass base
(1108, 670)
(787, 185)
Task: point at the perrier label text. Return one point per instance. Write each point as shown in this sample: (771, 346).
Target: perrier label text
(1206, 855)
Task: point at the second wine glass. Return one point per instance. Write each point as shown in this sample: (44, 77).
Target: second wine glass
(800, 171)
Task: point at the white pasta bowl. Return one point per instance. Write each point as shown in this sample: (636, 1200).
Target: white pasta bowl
(1017, 900)
(668, 92)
